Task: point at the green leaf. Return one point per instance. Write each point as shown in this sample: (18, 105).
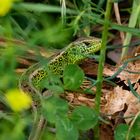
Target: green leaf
(56, 89)
(47, 135)
(53, 107)
(12, 128)
(121, 132)
(52, 83)
(65, 130)
(73, 77)
(136, 127)
(34, 7)
(84, 117)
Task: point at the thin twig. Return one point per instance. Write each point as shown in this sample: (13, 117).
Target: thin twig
(117, 14)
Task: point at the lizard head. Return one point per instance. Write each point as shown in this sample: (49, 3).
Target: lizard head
(88, 45)
(81, 48)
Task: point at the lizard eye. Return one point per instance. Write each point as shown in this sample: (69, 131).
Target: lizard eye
(87, 43)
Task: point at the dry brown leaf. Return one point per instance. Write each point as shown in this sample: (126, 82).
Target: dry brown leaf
(117, 99)
(76, 99)
(109, 70)
(133, 104)
(137, 87)
(132, 71)
(133, 77)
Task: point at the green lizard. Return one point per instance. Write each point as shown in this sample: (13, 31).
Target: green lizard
(73, 54)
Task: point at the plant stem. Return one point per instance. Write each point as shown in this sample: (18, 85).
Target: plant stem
(101, 64)
(132, 23)
(38, 128)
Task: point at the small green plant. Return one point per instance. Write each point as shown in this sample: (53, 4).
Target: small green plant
(56, 110)
(126, 132)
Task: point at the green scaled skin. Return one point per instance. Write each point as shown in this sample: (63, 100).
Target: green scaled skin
(73, 54)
